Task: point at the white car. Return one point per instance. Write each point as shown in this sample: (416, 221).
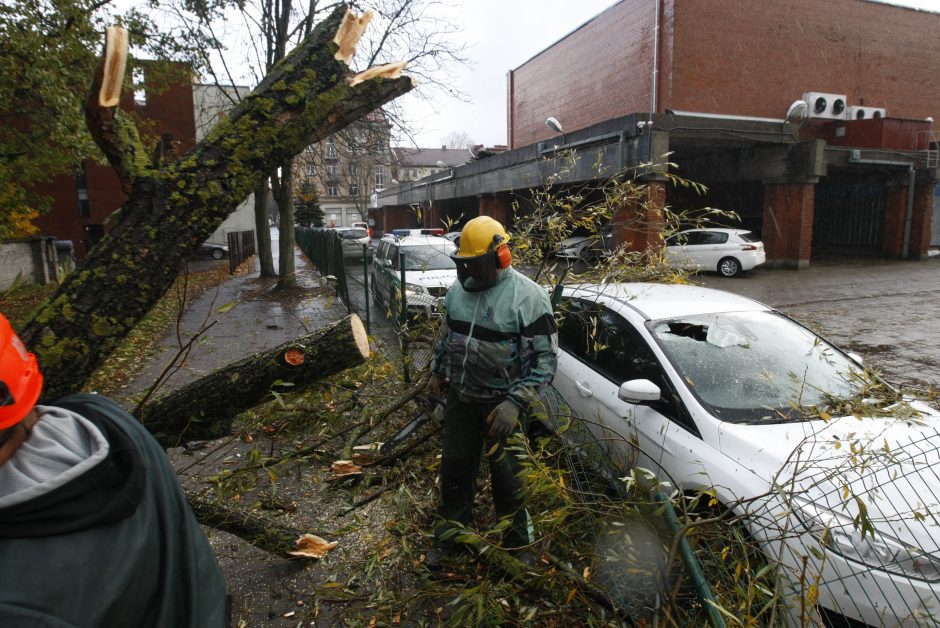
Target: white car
(585, 248)
(727, 251)
(429, 272)
(353, 238)
(713, 391)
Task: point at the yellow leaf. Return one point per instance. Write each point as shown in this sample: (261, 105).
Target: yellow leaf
(571, 594)
(312, 546)
(825, 416)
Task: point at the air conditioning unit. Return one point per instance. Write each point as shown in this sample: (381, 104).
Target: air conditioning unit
(864, 113)
(828, 106)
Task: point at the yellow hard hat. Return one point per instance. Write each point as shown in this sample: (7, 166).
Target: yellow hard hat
(479, 236)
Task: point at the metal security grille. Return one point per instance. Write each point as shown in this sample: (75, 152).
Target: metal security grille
(848, 218)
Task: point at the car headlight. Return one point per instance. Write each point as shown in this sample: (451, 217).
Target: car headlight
(412, 289)
(839, 533)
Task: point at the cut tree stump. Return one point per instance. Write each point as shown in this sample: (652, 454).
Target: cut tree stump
(204, 409)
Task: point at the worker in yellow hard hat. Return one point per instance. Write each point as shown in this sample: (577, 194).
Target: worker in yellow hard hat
(496, 352)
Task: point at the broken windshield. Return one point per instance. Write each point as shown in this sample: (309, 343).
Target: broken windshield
(748, 367)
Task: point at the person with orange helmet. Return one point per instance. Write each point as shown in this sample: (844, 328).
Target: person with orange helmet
(94, 528)
(497, 351)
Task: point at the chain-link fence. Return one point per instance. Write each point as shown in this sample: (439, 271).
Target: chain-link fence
(347, 263)
(324, 247)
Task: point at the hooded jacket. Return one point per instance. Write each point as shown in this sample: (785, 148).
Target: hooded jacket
(499, 343)
(95, 530)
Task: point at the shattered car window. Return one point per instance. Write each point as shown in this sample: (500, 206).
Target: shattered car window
(755, 366)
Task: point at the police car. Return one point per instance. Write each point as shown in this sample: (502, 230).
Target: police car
(429, 271)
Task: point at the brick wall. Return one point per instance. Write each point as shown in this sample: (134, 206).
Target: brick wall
(730, 57)
(168, 110)
(788, 224)
(600, 71)
(759, 60)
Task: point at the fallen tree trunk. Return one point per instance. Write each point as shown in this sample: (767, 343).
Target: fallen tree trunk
(261, 531)
(172, 208)
(204, 409)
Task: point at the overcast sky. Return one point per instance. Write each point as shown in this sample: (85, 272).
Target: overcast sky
(504, 34)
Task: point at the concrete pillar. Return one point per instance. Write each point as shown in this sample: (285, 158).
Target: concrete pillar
(788, 224)
(638, 225)
(896, 215)
(498, 207)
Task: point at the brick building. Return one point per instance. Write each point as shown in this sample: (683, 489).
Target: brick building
(711, 83)
(81, 203)
(343, 171)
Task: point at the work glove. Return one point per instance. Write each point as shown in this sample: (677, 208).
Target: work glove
(503, 419)
(436, 386)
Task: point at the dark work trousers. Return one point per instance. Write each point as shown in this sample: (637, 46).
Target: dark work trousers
(466, 438)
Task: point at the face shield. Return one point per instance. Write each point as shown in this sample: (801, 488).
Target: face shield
(478, 273)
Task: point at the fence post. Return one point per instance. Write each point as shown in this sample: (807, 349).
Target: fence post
(365, 285)
(403, 320)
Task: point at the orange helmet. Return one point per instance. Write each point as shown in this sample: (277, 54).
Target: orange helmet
(20, 379)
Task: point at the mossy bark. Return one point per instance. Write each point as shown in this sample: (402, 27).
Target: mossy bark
(172, 209)
(204, 409)
(259, 530)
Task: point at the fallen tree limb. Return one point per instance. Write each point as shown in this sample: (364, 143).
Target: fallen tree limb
(262, 532)
(204, 409)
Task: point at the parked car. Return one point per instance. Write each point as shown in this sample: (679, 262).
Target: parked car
(353, 238)
(215, 251)
(588, 248)
(429, 272)
(727, 251)
(713, 391)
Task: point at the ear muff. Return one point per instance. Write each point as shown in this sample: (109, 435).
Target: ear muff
(503, 257)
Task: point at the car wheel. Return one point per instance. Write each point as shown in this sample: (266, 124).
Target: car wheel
(218, 253)
(729, 267)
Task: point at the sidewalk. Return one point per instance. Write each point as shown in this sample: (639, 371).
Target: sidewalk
(264, 588)
(260, 319)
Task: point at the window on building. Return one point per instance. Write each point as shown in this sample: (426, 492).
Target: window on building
(331, 170)
(354, 189)
(412, 173)
(311, 169)
(353, 168)
(329, 149)
(81, 187)
(332, 189)
(378, 175)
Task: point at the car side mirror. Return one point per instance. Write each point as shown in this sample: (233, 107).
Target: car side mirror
(639, 391)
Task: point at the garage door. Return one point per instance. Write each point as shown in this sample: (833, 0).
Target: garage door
(848, 219)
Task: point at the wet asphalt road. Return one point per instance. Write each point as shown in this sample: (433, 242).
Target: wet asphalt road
(887, 311)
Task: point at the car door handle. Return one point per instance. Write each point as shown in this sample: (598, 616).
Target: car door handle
(584, 389)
